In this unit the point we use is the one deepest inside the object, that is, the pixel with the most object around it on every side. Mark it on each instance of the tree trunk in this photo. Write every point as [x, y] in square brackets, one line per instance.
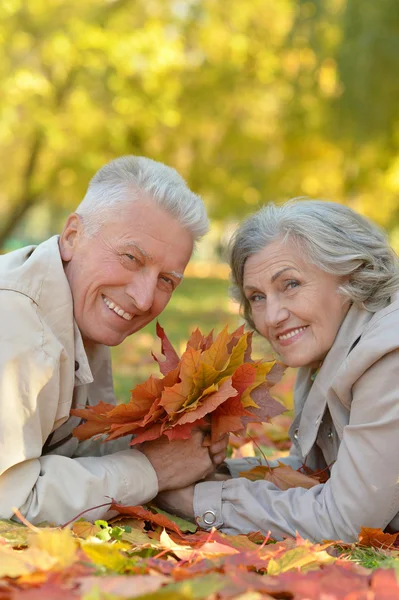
[27, 197]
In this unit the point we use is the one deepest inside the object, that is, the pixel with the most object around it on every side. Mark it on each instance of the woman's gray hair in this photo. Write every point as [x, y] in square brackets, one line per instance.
[126, 179]
[334, 237]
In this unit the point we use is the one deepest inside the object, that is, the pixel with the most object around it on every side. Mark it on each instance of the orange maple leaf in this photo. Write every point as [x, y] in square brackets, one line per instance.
[214, 379]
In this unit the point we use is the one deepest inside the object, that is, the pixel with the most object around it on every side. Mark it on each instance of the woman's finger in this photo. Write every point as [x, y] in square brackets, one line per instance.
[220, 445]
[217, 459]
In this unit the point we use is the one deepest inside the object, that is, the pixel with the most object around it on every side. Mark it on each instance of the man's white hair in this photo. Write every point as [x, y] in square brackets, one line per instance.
[127, 179]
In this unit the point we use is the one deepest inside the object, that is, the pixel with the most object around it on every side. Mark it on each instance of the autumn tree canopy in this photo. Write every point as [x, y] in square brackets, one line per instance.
[250, 101]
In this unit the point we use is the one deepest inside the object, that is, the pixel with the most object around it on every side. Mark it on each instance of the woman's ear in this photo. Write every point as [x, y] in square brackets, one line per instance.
[70, 236]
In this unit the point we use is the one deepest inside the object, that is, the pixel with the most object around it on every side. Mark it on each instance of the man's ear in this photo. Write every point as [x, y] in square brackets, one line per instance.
[69, 239]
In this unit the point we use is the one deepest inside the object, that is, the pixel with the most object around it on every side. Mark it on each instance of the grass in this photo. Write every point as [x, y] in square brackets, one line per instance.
[373, 558]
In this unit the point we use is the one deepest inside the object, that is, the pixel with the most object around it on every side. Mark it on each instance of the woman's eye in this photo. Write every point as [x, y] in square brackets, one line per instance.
[290, 285]
[130, 256]
[256, 298]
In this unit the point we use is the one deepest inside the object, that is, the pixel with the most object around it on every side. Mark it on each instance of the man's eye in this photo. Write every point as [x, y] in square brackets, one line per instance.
[131, 257]
[168, 281]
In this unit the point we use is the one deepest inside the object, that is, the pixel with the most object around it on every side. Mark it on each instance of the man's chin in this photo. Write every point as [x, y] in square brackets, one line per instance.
[106, 338]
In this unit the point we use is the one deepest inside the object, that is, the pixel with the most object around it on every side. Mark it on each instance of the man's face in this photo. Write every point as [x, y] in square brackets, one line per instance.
[124, 276]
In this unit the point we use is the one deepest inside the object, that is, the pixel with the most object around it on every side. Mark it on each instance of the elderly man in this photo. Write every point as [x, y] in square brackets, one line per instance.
[63, 303]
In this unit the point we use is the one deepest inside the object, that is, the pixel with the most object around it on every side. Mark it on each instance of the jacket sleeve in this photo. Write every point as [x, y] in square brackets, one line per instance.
[51, 488]
[96, 448]
[240, 465]
[363, 489]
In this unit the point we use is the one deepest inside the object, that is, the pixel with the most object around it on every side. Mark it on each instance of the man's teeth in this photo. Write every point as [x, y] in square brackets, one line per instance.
[291, 334]
[119, 311]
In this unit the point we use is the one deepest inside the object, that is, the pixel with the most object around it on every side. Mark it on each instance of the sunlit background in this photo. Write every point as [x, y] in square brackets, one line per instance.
[251, 101]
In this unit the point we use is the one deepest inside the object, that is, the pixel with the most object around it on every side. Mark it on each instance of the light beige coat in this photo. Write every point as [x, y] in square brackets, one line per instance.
[44, 371]
[348, 419]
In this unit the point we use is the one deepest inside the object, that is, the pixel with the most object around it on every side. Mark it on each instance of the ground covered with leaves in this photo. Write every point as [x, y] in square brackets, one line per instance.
[148, 555]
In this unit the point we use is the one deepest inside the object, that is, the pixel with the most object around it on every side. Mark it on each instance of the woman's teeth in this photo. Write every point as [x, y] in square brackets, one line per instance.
[119, 311]
[291, 334]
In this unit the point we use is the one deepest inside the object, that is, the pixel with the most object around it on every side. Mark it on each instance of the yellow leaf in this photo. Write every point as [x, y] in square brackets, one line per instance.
[189, 364]
[58, 543]
[15, 563]
[107, 555]
[203, 378]
[13, 533]
[304, 557]
[217, 356]
[237, 356]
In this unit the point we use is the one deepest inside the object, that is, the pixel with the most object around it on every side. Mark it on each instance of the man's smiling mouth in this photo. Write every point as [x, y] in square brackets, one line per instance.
[117, 309]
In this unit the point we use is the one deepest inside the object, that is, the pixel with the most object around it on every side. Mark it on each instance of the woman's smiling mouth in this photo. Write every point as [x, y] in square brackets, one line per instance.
[117, 309]
[291, 335]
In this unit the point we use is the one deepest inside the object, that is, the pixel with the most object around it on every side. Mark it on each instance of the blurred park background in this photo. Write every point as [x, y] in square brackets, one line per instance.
[250, 100]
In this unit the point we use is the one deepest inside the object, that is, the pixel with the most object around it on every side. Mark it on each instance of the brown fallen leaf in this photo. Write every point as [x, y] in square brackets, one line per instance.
[283, 476]
[376, 538]
[85, 529]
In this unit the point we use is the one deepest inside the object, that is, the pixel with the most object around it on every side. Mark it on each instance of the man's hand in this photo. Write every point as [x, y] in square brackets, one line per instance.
[178, 502]
[180, 463]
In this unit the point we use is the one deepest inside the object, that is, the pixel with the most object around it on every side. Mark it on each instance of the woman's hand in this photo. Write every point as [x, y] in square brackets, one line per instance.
[180, 463]
[218, 449]
[178, 502]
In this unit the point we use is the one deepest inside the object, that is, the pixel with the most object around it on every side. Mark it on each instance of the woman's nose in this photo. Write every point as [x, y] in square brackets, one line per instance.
[275, 314]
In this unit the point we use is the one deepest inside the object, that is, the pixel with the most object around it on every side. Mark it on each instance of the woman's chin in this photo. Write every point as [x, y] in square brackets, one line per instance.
[295, 362]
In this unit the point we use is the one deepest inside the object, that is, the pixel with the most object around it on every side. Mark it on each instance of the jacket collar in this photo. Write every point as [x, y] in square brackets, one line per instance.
[38, 272]
[312, 399]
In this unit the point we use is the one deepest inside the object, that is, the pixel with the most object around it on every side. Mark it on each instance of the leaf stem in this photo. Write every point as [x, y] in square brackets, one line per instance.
[23, 520]
[83, 512]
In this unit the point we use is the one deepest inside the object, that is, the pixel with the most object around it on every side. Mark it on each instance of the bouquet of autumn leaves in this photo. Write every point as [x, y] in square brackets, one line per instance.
[215, 382]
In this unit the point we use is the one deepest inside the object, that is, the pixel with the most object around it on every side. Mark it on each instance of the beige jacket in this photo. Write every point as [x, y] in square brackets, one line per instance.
[348, 419]
[44, 371]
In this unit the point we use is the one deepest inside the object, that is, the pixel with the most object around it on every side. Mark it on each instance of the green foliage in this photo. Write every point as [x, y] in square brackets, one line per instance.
[107, 532]
[250, 101]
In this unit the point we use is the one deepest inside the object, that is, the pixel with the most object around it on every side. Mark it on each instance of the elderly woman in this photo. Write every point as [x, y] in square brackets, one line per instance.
[320, 283]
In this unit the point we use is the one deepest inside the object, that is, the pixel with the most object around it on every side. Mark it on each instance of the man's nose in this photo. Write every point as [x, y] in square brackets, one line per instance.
[142, 291]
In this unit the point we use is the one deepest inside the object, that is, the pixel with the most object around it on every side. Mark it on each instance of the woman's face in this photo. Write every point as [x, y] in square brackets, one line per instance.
[295, 305]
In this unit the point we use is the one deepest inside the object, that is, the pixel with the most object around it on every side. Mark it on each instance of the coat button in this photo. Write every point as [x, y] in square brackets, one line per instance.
[330, 434]
[209, 517]
[296, 433]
